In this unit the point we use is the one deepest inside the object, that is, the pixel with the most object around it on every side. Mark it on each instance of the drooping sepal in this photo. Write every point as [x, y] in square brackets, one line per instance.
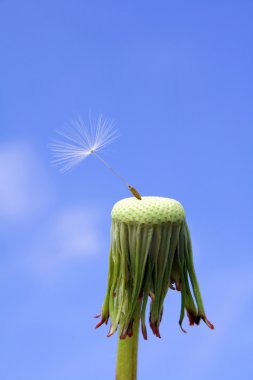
[146, 260]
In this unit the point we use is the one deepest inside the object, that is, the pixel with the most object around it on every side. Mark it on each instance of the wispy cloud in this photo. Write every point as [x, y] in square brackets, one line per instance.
[50, 243]
[23, 186]
[71, 234]
[75, 231]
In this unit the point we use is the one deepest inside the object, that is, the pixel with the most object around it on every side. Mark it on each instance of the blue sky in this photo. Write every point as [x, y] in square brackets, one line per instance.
[177, 79]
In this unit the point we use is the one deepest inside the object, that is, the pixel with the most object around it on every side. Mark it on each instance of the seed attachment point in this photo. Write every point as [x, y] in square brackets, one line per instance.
[135, 193]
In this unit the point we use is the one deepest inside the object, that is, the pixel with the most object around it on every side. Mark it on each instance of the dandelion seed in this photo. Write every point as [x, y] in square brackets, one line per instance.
[80, 141]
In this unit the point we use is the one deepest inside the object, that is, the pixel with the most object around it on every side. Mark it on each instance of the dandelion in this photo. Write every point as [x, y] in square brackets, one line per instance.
[79, 142]
[150, 253]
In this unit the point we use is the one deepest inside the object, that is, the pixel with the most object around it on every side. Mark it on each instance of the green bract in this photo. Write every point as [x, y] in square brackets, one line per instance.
[150, 252]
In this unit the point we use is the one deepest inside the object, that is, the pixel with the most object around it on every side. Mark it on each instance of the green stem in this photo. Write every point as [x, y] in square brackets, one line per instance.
[128, 350]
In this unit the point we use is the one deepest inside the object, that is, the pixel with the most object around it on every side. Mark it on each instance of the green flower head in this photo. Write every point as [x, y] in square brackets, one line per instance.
[150, 253]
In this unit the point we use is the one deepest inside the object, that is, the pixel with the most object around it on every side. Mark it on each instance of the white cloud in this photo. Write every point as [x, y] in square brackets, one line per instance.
[70, 235]
[75, 232]
[23, 186]
[65, 235]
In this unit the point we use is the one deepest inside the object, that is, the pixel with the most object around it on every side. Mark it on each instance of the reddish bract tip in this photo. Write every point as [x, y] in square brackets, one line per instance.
[111, 331]
[130, 330]
[123, 335]
[155, 329]
[100, 323]
[103, 320]
[208, 323]
[144, 332]
[124, 332]
[193, 318]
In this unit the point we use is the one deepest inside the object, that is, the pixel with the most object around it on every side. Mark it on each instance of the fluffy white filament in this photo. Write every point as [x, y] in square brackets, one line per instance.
[79, 141]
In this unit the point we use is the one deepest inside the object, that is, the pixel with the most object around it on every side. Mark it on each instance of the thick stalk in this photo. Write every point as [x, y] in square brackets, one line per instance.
[128, 351]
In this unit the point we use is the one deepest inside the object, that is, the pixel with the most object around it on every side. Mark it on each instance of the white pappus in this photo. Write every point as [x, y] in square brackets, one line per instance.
[79, 142]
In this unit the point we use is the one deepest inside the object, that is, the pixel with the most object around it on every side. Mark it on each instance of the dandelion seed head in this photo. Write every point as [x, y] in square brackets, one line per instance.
[79, 141]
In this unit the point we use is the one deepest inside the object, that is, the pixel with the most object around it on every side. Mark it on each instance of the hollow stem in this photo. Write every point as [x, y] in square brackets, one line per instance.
[128, 351]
